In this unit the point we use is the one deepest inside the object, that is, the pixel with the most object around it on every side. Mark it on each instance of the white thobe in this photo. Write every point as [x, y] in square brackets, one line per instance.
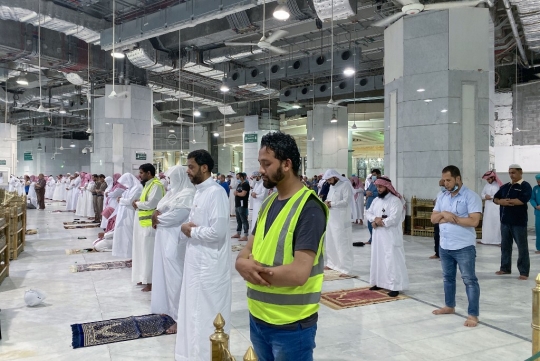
[388, 269]
[123, 228]
[256, 202]
[165, 183]
[69, 195]
[89, 201]
[339, 249]
[144, 239]
[359, 203]
[80, 210]
[12, 184]
[168, 269]
[111, 201]
[104, 244]
[232, 186]
[206, 285]
[49, 188]
[75, 193]
[491, 221]
[32, 195]
[57, 195]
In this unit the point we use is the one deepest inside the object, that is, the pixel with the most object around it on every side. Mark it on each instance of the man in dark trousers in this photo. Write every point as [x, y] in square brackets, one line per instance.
[40, 191]
[241, 197]
[513, 198]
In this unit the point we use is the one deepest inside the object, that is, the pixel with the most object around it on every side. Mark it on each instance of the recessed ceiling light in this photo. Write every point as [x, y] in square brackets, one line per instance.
[444, 110]
[228, 124]
[296, 106]
[196, 113]
[454, 122]
[349, 71]
[216, 134]
[428, 100]
[118, 55]
[171, 130]
[421, 90]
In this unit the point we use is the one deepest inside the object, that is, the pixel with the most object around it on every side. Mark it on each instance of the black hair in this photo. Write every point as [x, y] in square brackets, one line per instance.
[202, 157]
[376, 171]
[94, 175]
[284, 147]
[102, 176]
[147, 167]
[454, 171]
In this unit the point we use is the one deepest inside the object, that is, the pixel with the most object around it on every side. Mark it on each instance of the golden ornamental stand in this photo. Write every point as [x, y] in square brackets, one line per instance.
[219, 344]
[536, 317]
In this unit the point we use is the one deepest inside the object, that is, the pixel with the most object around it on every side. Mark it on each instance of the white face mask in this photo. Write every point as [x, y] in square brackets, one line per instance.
[374, 178]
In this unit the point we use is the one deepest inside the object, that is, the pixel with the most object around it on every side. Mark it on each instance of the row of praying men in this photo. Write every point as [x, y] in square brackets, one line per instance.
[175, 229]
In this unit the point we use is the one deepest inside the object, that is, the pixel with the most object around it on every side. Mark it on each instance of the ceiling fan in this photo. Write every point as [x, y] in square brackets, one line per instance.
[266, 42]
[412, 7]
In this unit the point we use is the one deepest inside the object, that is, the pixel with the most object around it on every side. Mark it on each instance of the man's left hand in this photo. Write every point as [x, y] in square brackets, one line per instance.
[134, 204]
[186, 228]
[328, 204]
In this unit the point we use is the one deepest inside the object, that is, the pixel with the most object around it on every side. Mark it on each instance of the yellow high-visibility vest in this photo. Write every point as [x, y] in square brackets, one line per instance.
[145, 216]
[284, 305]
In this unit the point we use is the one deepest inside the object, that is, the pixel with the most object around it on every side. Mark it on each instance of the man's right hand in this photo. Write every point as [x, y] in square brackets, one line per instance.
[250, 271]
[538, 207]
[369, 193]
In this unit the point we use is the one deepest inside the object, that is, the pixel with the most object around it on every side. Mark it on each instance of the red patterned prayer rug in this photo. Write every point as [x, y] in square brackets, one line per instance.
[356, 297]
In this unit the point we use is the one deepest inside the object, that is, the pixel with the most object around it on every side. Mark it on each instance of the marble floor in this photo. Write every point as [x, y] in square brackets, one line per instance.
[401, 330]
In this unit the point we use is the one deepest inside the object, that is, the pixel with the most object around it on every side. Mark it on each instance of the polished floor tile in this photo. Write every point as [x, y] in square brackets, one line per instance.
[398, 331]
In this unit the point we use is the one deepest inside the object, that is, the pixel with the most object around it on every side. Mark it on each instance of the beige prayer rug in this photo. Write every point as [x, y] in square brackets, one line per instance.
[338, 300]
[332, 275]
[79, 251]
[99, 266]
[237, 247]
[77, 222]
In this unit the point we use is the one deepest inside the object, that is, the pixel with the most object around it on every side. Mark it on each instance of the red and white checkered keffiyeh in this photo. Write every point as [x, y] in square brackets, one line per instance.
[492, 174]
[386, 182]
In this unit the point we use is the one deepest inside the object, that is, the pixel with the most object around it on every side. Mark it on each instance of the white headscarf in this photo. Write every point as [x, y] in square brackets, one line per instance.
[330, 173]
[109, 182]
[181, 190]
[131, 183]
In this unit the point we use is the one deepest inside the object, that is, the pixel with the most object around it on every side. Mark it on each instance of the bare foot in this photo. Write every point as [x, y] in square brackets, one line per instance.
[433, 257]
[327, 268]
[471, 321]
[537, 252]
[139, 283]
[236, 236]
[523, 278]
[343, 275]
[444, 311]
[147, 288]
[502, 273]
[243, 239]
[172, 330]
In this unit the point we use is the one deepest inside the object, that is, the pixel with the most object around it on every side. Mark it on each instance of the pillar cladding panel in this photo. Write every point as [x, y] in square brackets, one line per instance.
[330, 148]
[428, 23]
[393, 52]
[425, 55]
[435, 85]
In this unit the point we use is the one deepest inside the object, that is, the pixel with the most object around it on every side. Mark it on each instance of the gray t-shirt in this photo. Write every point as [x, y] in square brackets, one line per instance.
[310, 227]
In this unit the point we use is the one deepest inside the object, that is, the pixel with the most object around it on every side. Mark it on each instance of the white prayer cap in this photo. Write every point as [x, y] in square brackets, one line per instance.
[34, 297]
[514, 166]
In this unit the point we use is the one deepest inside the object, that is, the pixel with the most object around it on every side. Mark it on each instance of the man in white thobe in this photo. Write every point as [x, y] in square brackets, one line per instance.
[232, 186]
[491, 221]
[144, 235]
[12, 184]
[388, 269]
[169, 252]
[125, 216]
[258, 195]
[73, 193]
[339, 251]
[206, 286]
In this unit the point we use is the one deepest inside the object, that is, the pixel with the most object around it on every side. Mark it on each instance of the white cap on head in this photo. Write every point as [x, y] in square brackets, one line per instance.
[514, 166]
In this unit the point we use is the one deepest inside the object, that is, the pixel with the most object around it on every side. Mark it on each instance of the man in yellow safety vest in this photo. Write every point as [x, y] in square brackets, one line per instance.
[283, 260]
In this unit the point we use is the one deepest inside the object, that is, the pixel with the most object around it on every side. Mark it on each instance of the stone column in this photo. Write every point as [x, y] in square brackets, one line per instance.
[330, 145]
[123, 134]
[254, 130]
[8, 152]
[225, 159]
[439, 86]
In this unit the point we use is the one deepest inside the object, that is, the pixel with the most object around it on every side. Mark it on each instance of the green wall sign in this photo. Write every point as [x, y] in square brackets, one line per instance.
[140, 156]
[250, 138]
[3, 162]
[28, 156]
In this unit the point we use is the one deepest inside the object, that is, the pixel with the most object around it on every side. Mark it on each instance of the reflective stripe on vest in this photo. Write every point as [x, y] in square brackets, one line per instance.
[145, 216]
[283, 305]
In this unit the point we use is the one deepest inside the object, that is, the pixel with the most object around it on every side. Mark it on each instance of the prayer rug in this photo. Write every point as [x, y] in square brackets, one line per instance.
[356, 297]
[31, 231]
[331, 275]
[99, 266]
[77, 222]
[79, 251]
[60, 211]
[119, 329]
[77, 226]
[237, 247]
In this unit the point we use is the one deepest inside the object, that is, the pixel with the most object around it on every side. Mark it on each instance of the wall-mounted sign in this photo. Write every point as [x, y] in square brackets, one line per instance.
[3, 162]
[250, 138]
[28, 156]
[140, 156]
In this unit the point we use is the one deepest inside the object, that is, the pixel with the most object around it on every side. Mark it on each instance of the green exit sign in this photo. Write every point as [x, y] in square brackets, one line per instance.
[140, 156]
[250, 138]
[28, 156]
[3, 162]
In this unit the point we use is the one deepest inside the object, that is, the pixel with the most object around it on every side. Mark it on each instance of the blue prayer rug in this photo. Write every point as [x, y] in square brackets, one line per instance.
[119, 329]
